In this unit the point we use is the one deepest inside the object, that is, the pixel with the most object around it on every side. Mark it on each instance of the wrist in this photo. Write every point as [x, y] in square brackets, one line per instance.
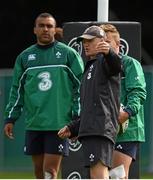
[9, 120]
[129, 111]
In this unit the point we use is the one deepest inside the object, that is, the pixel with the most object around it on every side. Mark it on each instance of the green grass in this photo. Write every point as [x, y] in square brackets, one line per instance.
[147, 176]
[17, 175]
[30, 175]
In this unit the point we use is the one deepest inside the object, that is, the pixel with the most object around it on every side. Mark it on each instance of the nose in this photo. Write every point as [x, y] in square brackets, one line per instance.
[86, 44]
[45, 28]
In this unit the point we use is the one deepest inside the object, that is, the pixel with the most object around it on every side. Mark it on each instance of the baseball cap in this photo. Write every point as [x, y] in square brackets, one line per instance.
[91, 33]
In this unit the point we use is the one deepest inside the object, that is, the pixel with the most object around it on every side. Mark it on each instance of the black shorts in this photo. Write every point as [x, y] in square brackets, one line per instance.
[97, 148]
[40, 142]
[128, 148]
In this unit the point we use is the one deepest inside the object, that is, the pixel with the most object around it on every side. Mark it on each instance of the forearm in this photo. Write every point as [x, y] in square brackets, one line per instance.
[114, 62]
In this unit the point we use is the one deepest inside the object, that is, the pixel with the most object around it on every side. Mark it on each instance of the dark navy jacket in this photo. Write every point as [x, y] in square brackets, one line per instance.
[100, 98]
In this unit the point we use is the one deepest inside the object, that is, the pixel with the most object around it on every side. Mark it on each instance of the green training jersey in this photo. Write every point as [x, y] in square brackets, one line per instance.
[46, 84]
[133, 96]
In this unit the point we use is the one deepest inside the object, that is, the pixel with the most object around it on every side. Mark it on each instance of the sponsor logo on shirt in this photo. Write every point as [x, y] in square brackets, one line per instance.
[31, 57]
[46, 83]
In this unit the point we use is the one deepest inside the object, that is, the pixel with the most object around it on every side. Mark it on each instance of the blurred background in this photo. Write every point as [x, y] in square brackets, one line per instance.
[17, 17]
[16, 29]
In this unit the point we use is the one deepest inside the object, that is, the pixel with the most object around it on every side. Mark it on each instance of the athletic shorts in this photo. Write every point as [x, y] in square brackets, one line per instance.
[128, 148]
[96, 148]
[40, 142]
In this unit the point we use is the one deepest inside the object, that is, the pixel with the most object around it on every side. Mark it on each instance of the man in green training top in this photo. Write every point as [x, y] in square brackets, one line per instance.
[46, 81]
[133, 97]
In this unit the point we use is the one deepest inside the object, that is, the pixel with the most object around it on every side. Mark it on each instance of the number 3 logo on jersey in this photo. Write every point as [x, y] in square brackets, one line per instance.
[46, 82]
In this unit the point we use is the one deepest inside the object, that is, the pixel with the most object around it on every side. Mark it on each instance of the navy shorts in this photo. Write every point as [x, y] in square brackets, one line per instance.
[40, 142]
[96, 148]
[128, 148]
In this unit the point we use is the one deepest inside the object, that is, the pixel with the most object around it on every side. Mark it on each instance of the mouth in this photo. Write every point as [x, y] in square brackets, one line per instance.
[45, 35]
[86, 49]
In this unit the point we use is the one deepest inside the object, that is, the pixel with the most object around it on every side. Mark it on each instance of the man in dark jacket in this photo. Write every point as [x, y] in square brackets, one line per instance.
[100, 103]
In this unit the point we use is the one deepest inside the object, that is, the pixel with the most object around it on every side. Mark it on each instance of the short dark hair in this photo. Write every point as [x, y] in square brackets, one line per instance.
[44, 15]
